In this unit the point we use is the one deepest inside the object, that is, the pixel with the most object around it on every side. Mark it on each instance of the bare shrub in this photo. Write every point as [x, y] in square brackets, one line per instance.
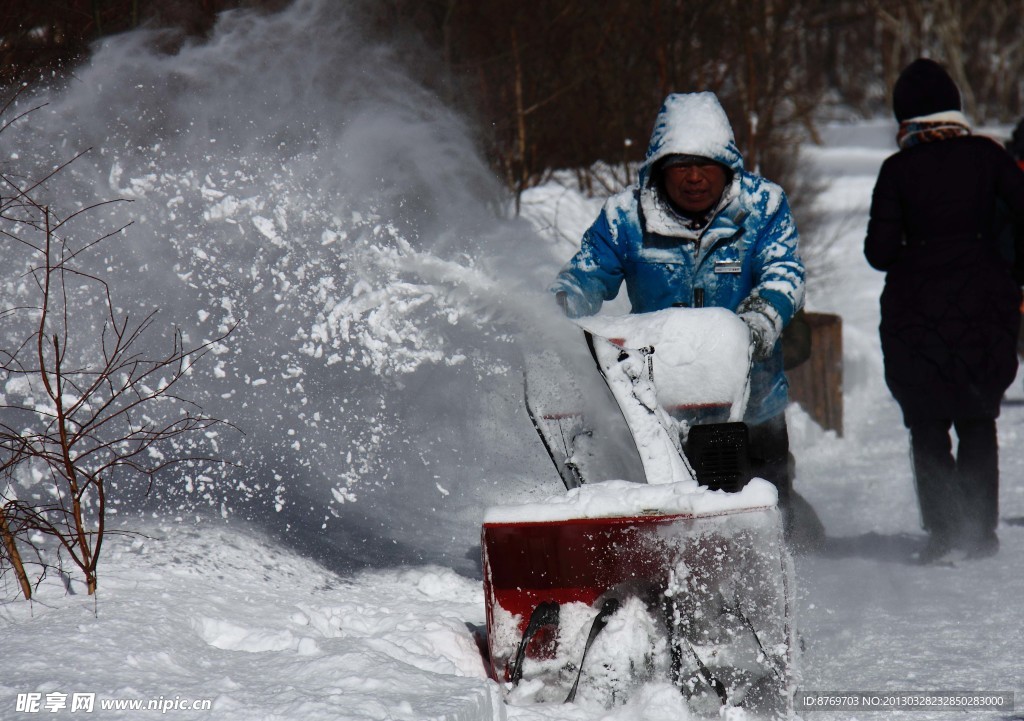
[81, 402]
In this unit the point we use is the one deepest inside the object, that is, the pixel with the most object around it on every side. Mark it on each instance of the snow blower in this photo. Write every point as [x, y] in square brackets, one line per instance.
[685, 578]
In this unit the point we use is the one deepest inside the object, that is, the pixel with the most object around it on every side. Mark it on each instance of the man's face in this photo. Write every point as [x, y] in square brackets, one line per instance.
[695, 187]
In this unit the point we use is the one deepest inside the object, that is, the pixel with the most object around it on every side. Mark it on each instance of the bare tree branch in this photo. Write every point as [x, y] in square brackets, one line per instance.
[99, 406]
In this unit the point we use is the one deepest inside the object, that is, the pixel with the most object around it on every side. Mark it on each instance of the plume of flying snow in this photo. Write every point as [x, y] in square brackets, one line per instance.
[291, 181]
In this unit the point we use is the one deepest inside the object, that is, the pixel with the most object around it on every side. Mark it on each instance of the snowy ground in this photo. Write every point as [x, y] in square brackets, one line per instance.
[220, 616]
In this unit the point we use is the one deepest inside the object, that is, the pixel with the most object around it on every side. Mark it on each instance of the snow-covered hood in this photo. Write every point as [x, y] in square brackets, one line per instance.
[692, 124]
[687, 124]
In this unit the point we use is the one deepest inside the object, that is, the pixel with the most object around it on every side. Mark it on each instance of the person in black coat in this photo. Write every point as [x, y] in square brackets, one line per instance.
[951, 306]
[1016, 144]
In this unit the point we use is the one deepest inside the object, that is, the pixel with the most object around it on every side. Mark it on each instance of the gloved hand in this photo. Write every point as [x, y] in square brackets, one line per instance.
[764, 323]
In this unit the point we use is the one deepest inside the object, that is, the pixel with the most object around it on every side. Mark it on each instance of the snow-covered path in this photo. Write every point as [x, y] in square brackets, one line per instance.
[221, 614]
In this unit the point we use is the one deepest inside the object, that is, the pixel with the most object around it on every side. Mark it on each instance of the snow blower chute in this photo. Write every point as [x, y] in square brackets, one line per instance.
[684, 578]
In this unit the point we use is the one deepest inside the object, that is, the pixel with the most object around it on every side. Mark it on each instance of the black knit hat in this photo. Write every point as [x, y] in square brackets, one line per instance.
[923, 88]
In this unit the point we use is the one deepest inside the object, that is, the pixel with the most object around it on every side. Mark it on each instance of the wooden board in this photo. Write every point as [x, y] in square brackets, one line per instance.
[817, 384]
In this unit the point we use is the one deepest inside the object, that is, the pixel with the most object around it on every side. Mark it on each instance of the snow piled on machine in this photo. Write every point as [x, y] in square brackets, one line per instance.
[608, 499]
[701, 356]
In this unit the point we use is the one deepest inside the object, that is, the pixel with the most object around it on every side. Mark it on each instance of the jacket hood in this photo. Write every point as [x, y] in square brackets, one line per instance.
[692, 124]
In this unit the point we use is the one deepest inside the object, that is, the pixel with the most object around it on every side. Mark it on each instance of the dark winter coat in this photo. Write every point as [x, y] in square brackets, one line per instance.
[950, 307]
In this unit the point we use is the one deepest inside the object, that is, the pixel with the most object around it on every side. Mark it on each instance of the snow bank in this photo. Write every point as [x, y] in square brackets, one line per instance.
[225, 618]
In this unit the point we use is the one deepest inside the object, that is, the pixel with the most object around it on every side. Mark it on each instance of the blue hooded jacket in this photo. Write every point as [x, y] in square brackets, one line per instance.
[747, 250]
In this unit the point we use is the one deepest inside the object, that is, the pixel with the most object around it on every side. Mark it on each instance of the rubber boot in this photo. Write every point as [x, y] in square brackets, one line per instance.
[938, 494]
[977, 470]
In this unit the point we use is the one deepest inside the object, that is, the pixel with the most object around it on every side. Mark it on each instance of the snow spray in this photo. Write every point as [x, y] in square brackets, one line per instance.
[289, 179]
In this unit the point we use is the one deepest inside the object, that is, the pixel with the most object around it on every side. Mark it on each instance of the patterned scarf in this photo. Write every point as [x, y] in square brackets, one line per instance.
[929, 128]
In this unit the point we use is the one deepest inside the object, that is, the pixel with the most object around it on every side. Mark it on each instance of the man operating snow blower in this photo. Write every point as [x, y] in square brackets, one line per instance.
[698, 230]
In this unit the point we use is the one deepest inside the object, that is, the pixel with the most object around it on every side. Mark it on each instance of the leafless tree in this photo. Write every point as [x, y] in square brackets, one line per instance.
[82, 403]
